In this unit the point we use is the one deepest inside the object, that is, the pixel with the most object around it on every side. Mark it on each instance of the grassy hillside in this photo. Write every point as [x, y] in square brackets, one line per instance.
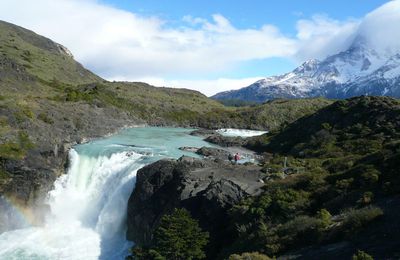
[341, 184]
[40, 57]
[39, 78]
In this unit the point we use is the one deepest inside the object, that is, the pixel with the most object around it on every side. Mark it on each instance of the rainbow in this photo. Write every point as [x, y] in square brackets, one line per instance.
[21, 216]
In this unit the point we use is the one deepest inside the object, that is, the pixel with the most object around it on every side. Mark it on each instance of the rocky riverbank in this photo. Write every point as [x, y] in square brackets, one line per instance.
[30, 178]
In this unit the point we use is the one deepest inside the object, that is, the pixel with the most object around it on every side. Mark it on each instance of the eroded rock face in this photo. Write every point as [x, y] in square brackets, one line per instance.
[32, 177]
[226, 141]
[207, 188]
[24, 192]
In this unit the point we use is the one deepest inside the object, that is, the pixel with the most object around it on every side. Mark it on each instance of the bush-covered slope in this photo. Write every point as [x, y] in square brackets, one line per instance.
[363, 124]
[340, 184]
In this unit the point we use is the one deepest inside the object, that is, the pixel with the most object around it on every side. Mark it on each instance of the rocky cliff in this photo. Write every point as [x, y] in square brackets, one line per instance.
[207, 188]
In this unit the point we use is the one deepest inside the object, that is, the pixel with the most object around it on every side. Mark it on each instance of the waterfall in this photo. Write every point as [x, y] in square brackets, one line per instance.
[88, 205]
[88, 211]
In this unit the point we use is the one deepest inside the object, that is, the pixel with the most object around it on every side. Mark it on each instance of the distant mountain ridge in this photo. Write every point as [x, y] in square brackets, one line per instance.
[360, 70]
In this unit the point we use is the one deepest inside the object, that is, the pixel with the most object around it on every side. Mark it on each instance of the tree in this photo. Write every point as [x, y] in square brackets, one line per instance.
[179, 236]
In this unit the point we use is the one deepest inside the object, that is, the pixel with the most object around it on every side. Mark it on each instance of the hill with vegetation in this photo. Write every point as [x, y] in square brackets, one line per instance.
[49, 102]
[332, 182]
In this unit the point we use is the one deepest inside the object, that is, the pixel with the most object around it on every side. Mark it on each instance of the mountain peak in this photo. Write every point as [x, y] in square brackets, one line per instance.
[359, 70]
[308, 67]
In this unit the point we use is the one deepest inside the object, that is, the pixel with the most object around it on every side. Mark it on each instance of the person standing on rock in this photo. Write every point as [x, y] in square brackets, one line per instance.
[237, 158]
[230, 158]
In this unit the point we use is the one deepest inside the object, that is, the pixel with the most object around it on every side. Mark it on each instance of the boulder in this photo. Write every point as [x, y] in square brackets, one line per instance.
[189, 149]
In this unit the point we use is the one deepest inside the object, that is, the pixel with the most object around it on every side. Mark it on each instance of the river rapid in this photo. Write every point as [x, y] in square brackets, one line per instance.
[88, 204]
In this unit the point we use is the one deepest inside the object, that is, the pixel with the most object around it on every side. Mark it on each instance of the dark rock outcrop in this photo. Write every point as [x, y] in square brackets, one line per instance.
[207, 188]
[226, 141]
[189, 149]
[215, 153]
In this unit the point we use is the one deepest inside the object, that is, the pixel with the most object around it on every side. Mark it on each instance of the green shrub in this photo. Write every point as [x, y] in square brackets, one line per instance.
[325, 217]
[370, 177]
[45, 118]
[139, 253]
[249, 256]
[16, 150]
[367, 197]
[23, 113]
[11, 150]
[4, 175]
[355, 219]
[302, 230]
[344, 184]
[24, 142]
[361, 255]
[339, 164]
[3, 121]
[27, 112]
[75, 95]
[287, 202]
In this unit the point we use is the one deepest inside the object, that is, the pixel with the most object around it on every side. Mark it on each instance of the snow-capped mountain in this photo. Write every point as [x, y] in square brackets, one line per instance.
[360, 70]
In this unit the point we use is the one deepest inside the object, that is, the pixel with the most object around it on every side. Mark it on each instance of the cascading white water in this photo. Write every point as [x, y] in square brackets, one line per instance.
[88, 211]
[87, 218]
[94, 195]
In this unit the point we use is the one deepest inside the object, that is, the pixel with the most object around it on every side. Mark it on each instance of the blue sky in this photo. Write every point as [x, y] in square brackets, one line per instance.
[208, 45]
[250, 13]
[243, 14]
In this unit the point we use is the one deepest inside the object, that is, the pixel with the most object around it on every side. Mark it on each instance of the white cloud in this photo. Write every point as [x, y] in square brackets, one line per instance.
[322, 36]
[111, 41]
[381, 27]
[119, 44]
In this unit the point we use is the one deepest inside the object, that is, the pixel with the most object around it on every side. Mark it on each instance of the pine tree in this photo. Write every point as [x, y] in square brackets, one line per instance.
[180, 237]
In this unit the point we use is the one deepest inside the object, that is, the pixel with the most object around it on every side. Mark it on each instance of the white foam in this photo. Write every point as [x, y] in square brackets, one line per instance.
[88, 211]
[240, 132]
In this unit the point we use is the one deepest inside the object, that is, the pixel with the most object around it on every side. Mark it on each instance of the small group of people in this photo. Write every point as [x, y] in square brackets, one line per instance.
[235, 157]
